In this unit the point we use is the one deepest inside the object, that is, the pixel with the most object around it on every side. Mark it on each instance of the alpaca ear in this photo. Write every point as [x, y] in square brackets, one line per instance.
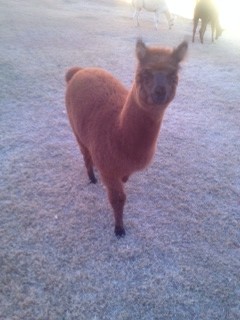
[141, 50]
[180, 52]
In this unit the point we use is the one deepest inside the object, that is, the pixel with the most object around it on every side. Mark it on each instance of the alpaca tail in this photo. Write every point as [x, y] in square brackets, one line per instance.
[71, 72]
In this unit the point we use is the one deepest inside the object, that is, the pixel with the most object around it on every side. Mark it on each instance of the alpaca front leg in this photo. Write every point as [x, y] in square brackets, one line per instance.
[135, 16]
[156, 19]
[117, 199]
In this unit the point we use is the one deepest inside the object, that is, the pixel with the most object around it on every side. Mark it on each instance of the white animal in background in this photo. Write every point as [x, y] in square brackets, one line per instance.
[156, 6]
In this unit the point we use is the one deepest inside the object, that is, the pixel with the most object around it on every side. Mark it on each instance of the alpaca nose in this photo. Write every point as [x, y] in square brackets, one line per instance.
[159, 94]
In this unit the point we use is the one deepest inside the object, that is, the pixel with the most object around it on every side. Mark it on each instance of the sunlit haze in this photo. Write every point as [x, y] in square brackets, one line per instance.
[228, 12]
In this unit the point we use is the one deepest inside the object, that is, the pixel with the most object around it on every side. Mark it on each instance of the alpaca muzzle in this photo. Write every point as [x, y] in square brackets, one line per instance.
[159, 92]
[159, 95]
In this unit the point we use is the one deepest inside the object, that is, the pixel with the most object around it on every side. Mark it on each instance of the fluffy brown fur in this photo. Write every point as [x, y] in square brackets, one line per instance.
[206, 11]
[117, 129]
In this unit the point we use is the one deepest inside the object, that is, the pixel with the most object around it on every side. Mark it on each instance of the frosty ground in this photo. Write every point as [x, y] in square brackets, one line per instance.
[59, 257]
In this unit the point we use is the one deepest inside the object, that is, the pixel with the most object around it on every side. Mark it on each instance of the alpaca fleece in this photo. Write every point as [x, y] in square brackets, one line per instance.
[117, 129]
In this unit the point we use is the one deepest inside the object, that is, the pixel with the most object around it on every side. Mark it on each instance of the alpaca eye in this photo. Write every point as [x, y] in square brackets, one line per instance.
[172, 76]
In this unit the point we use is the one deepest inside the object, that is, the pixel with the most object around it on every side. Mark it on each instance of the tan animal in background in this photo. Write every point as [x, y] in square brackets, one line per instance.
[206, 11]
[117, 129]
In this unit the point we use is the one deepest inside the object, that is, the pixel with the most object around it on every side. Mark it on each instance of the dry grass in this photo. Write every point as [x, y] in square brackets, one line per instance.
[59, 257]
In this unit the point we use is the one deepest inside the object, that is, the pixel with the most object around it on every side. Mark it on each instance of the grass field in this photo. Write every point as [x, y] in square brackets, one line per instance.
[59, 258]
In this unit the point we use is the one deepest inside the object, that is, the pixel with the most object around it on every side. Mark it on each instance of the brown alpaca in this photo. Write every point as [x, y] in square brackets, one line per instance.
[207, 12]
[117, 129]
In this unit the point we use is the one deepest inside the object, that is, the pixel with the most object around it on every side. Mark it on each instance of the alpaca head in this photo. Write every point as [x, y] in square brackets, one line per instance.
[157, 74]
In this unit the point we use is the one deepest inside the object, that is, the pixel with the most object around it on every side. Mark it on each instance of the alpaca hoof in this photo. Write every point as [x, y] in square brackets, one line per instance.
[93, 180]
[119, 232]
[92, 177]
[125, 179]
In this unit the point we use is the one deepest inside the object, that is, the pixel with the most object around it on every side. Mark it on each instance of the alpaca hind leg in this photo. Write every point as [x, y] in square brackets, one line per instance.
[195, 24]
[202, 31]
[213, 30]
[117, 200]
[88, 162]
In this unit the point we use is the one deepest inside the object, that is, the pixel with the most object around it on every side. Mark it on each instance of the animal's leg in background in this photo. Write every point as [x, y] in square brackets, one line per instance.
[218, 29]
[117, 199]
[202, 31]
[88, 162]
[213, 27]
[195, 24]
[156, 19]
[169, 18]
[136, 15]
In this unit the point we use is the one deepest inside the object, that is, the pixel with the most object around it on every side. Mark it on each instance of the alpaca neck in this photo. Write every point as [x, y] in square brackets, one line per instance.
[139, 129]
